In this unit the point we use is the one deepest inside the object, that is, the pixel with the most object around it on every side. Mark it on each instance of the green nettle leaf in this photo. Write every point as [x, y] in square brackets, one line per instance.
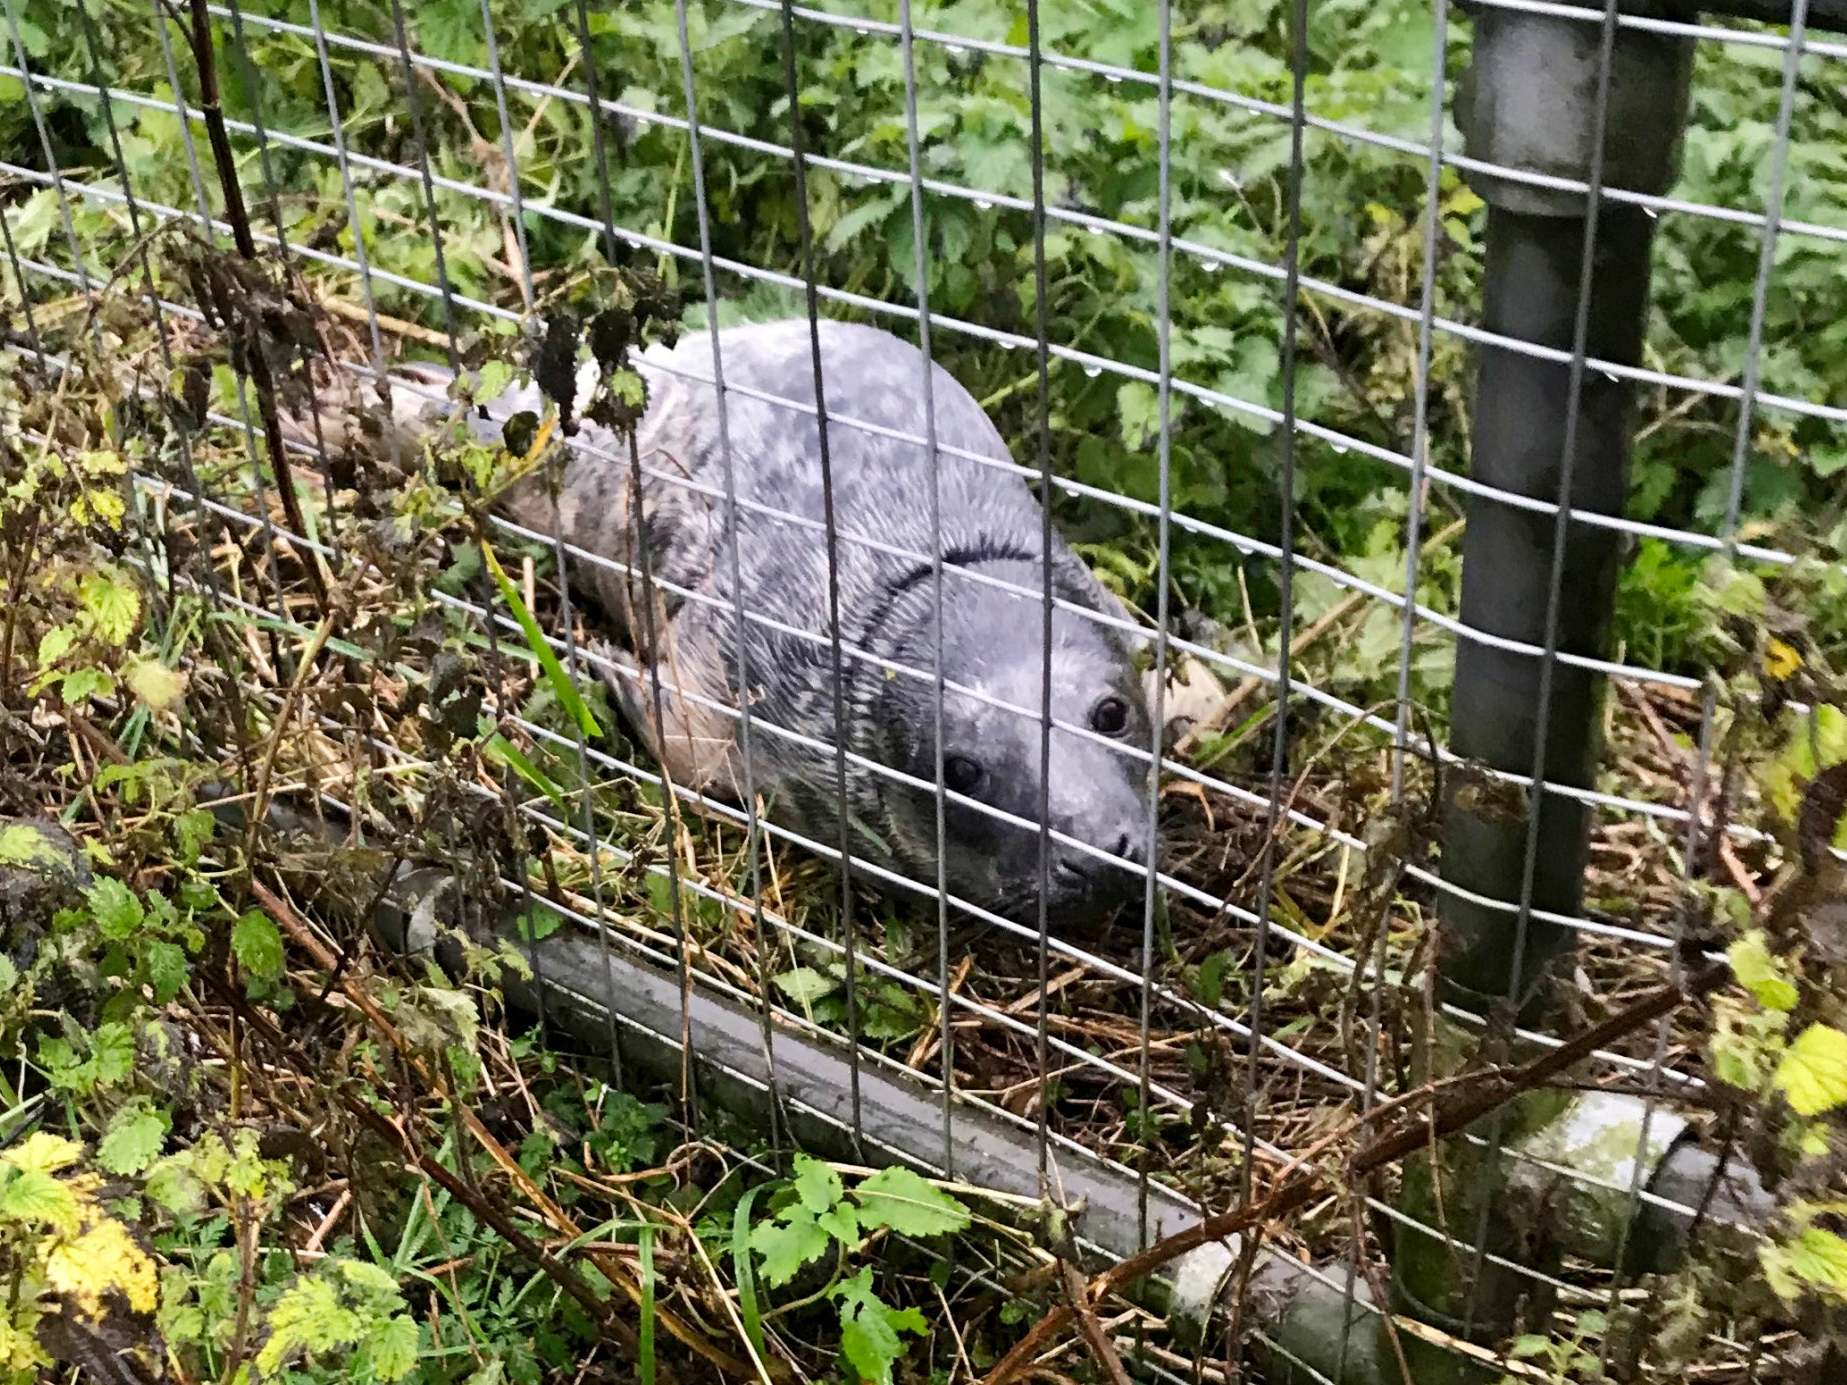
[869, 1328]
[112, 1052]
[85, 683]
[166, 969]
[54, 645]
[114, 907]
[173, 1185]
[491, 381]
[804, 985]
[900, 1199]
[392, 1346]
[816, 1184]
[135, 1136]
[1760, 973]
[1138, 408]
[308, 1317]
[37, 1198]
[1816, 1259]
[788, 1243]
[258, 945]
[1813, 1073]
[113, 606]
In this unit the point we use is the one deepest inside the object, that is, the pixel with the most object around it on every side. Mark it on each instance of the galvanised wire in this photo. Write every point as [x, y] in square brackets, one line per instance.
[1298, 816]
[1341, 442]
[1747, 394]
[1741, 438]
[1614, 802]
[1164, 136]
[753, 832]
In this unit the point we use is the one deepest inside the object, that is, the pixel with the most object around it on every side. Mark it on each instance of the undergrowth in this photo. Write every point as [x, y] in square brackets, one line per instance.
[243, 1143]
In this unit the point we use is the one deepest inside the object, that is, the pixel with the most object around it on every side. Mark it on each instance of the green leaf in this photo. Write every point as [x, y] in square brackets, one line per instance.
[1760, 973]
[37, 1198]
[1813, 1073]
[258, 945]
[816, 1184]
[114, 907]
[1210, 987]
[85, 683]
[54, 645]
[1815, 1258]
[136, 1133]
[392, 1347]
[491, 381]
[369, 1279]
[166, 969]
[173, 1185]
[562, 687]
[498, 747]
[804, 985]
[112, 1052]
[869, 1328]
[114, 607]
[787, 1244]
[898, 1198]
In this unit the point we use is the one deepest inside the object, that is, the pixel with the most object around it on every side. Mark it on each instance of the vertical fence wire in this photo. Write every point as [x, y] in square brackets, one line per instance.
[1702, 766]
[1164, 122]
[1042, 442]
[824, 457]
[337, 130]
[1163, 514]
[753, 827]
[913, 151]
[1274, 822]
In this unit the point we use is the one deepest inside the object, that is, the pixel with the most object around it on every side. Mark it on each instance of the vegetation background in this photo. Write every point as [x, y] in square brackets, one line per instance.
[264, 1269]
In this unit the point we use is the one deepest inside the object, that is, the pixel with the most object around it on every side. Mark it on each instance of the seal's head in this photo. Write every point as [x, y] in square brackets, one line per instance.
[992, 752]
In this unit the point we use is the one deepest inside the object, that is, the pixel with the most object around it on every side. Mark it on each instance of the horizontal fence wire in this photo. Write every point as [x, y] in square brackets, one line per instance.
[674, 950]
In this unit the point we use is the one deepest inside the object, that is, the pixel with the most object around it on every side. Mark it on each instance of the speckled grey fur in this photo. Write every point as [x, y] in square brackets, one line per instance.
[991, 523]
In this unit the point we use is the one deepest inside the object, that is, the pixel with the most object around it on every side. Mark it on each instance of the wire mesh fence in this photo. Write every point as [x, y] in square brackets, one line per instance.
[1296, 684]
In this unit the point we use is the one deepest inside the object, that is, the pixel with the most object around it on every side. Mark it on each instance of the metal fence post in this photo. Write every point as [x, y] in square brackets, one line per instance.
[1535, 100]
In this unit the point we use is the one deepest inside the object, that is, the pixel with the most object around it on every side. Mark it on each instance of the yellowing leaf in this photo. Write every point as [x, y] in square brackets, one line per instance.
[43, 1151]
[103, 1259]
[1813, 1073]
[1815, 1258]
[55, 644]
[1761, 973]
[1780, 660]
[113, 606]
[155, 684]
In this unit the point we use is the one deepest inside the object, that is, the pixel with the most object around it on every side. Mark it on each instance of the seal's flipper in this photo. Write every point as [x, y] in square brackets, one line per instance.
[696, 743]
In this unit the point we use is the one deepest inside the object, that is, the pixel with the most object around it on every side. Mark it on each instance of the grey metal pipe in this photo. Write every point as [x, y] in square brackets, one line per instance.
[1527, 102]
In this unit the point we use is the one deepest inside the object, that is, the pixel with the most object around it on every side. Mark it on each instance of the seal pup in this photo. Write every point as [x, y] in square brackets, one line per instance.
[991, 526]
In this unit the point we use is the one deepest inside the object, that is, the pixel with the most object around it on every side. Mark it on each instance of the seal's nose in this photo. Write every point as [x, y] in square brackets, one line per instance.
[1083, 873]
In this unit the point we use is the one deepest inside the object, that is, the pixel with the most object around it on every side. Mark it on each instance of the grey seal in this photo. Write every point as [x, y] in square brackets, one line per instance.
[991, 526]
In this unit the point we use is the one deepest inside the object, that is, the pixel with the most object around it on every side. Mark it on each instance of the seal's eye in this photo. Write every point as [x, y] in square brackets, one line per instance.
[1110, 716]
[962, 774]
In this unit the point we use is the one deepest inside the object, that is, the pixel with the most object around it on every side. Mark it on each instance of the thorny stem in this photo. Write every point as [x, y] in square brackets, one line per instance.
[1302, 1181]
[256, 363]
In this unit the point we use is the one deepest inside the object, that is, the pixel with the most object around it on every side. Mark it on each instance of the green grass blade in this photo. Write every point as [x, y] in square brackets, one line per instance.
[562, 686]
[746, 1272]
[646, 1245]
[499, 747]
